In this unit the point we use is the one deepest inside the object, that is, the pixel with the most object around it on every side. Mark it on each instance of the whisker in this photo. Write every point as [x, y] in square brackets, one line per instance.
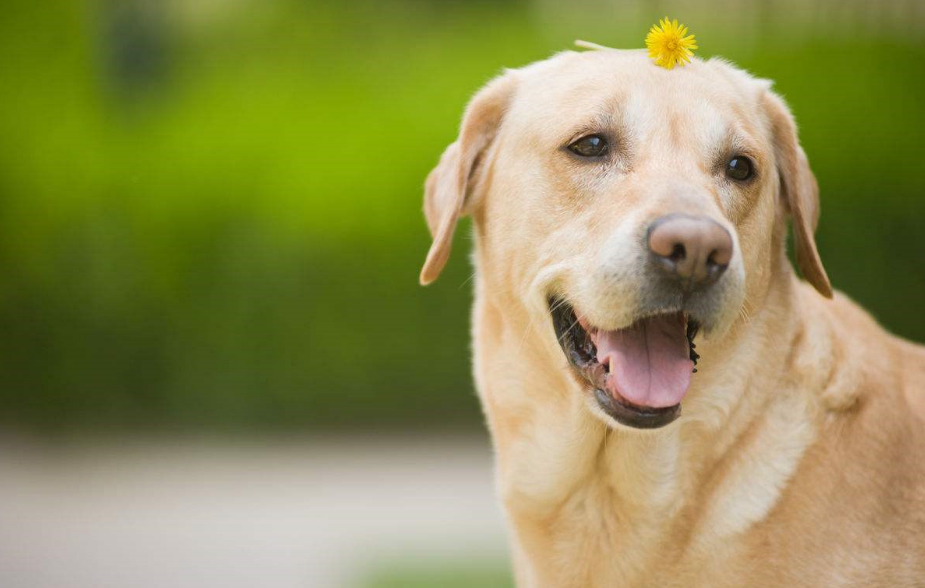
[467, 280]
[566, 331]
[743, 312]
[559, 304]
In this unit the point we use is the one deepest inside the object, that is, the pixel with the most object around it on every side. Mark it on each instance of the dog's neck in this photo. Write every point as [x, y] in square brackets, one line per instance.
[565, 474]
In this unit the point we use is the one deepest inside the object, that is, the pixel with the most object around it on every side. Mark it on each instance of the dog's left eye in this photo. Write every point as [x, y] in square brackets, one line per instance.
[739, 168]
[589, 146]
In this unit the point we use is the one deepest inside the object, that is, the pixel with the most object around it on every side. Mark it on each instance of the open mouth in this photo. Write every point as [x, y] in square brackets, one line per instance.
[639, 374]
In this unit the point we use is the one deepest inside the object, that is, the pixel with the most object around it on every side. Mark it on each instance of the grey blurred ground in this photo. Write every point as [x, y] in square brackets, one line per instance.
[251, 514]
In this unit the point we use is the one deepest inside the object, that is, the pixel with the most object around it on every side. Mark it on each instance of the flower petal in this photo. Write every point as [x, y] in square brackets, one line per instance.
[669, 44]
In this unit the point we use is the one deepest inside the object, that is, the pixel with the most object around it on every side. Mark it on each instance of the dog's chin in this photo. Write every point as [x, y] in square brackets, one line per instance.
[635, 376]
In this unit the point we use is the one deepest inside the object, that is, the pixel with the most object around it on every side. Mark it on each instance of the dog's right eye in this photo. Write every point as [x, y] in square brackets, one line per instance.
[589, 146]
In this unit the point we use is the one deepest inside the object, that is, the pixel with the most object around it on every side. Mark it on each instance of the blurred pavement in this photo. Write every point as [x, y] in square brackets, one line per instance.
[269, 514]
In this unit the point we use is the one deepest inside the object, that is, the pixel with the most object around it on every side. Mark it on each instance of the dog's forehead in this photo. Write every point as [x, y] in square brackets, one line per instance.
[576, 88]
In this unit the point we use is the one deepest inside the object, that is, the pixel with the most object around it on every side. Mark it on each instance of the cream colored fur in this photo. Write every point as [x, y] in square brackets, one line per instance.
[799, 458]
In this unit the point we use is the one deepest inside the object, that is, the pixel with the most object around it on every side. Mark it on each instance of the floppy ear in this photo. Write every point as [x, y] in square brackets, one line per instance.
[448, 190]
[800, 191]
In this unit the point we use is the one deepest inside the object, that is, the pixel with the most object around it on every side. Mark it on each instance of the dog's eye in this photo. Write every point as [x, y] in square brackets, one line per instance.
[739, 168]
[589, 146]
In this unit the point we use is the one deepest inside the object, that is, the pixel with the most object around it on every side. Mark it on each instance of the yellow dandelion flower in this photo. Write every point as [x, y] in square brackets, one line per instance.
[669, 43]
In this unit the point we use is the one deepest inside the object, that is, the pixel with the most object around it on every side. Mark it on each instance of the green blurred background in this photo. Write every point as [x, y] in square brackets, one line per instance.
[210, 210]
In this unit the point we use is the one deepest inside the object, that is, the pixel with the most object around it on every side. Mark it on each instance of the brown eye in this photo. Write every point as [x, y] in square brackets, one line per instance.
[589, 146]
[739, 168]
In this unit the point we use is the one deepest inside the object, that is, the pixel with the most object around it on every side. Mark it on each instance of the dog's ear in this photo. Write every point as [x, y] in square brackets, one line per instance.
[448, 192]
[799, 189]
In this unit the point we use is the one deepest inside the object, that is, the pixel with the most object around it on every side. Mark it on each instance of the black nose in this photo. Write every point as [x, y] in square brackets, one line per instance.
[695, 250]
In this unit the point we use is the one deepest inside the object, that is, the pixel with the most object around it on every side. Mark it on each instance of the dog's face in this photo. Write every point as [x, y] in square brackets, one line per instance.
[635, 205]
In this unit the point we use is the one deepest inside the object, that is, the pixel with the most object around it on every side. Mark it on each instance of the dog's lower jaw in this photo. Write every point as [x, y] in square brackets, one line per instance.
[609, 500]
[564, 474]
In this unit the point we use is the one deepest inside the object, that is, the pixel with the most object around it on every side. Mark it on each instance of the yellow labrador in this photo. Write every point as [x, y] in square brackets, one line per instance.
[669, 404]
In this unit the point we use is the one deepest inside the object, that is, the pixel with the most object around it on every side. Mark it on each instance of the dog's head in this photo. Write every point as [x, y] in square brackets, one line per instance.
[635, 205]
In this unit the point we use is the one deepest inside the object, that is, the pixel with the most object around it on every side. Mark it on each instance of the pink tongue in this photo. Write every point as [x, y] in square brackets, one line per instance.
[649, 361]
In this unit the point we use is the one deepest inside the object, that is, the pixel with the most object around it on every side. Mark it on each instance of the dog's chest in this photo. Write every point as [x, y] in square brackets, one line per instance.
[596, 546]
[626, 522]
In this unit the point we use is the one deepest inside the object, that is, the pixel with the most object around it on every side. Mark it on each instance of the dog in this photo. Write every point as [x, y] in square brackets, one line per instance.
[669, 404]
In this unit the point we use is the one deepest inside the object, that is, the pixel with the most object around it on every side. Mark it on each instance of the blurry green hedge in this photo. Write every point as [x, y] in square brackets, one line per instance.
[210, 217]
